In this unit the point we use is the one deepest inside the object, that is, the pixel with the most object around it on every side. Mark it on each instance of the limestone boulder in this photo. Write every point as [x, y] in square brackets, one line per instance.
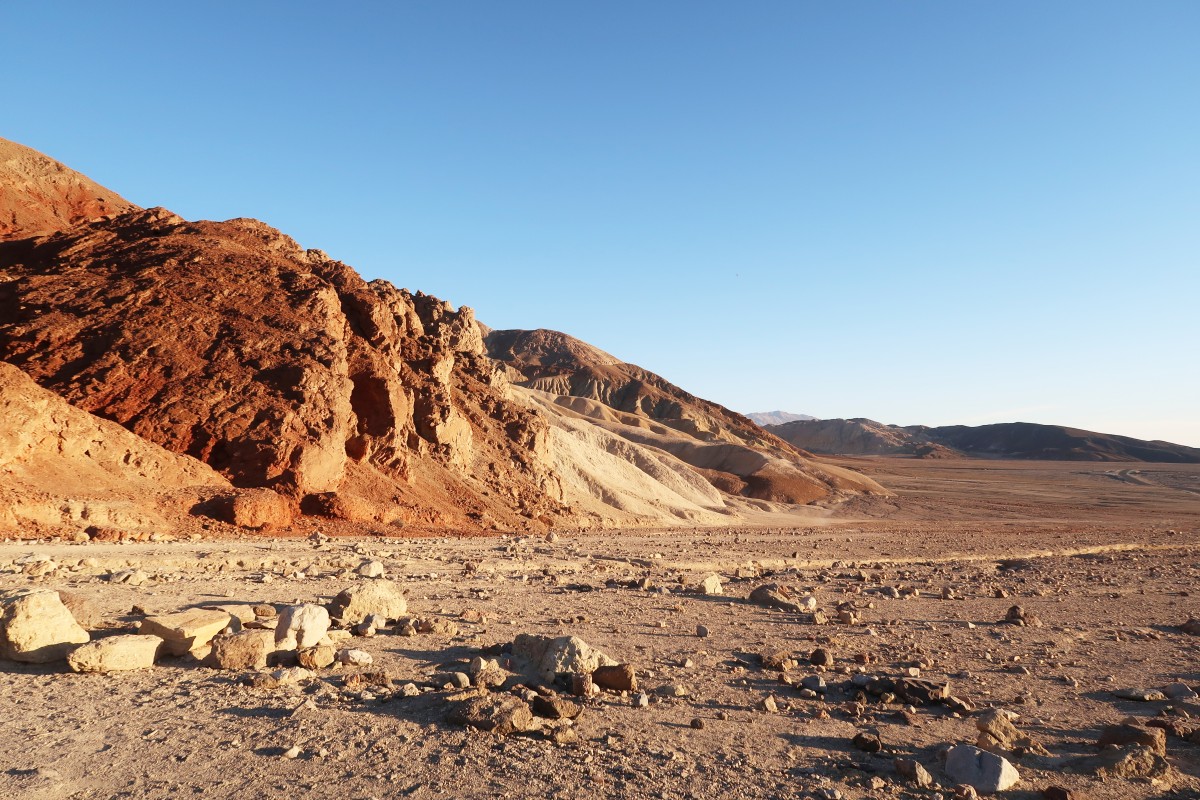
[301, 627]
[185, 631]
[374, 596]
[116, 654]
[543, 657]
[35, 627]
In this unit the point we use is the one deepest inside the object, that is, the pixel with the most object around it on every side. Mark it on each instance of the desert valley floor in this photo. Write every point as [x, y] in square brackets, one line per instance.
[730, 702]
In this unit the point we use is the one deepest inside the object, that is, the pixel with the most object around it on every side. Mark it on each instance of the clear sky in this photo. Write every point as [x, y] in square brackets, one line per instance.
[918, 212]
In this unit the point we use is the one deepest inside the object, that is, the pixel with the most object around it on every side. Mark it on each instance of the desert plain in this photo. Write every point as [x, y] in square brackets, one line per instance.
[734, 698]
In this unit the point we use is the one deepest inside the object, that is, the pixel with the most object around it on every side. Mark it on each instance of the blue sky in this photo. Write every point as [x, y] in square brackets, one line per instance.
[919, 212]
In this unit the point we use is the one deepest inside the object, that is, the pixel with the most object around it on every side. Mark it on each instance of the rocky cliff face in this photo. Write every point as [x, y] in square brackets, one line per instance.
[277, 366]
[39, 195]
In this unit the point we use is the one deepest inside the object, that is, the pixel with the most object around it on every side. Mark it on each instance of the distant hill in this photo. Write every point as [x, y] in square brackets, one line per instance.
[775, 417]
[1016, 440]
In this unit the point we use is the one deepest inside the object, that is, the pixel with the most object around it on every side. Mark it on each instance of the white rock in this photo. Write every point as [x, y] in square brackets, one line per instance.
[35, 627]
[985, 771]
[371, 569]
[355, 658]
[301, 626]
[711, 585]
[186, 631]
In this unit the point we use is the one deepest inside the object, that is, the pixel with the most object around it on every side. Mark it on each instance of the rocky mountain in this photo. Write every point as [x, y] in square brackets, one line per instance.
[285, 372]
[1018, 440]
[40, 195]
[730, 451]
[763, 418]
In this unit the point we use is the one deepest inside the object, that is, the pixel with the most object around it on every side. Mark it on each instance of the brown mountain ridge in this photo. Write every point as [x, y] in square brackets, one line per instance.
[282, 369]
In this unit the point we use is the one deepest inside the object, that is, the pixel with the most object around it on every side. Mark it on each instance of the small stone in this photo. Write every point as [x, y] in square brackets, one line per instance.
[1175, 691]
[377, 596]
[773, 595]
[317, 657]
[501, 715]
[985, 772]
[820, 658]
[1123, 734]
[641, 700]
[618, 678]
[711, 585]
[702, 631]
[867, 742]
[913, 772]
[264, 611]
[361, 658]
[556, 708]
[371, 569]
[768, 704]
[292, 752]
[697, 723]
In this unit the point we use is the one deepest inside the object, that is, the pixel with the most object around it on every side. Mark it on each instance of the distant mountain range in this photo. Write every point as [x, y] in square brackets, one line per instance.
[1016, 440]
[765, 418]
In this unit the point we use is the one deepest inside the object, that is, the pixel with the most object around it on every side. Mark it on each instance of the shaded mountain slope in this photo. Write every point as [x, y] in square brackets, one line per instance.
[1017, 440]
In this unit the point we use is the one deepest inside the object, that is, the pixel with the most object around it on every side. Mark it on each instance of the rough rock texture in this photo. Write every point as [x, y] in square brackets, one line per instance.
[243, 650]
[115, 654]
[39, 194]
[62, 466]
[543, 657]
[985, 771]
[277, 366]
[35, 627]
[301, 627]
[726, 449]
[375, 596]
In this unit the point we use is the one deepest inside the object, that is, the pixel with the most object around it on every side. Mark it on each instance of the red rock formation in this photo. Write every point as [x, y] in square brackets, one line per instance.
[279, 367]
[40, 195]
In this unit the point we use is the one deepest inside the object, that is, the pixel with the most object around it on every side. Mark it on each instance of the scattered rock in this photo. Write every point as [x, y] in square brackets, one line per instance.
[499, 714]
[1124, 734]
[556, 708]
[377, 596]
[1132, 762]
[542, 657]
[1140, 695]
[711, 585]
[985, 772]
[1192, 627]
[913, 772]
[317, 657]
[821, 658]
[371, 569]
[774, 595]
[245, 650]
[1019, 616]
[867, 742]
[617, 678]
[186, 631]
[301, 627]
[36, 627]
[115, 654]
[1058, 793]
[356, 658]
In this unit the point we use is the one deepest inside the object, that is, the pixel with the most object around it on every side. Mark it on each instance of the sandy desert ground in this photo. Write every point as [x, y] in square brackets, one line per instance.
[1104, 555]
